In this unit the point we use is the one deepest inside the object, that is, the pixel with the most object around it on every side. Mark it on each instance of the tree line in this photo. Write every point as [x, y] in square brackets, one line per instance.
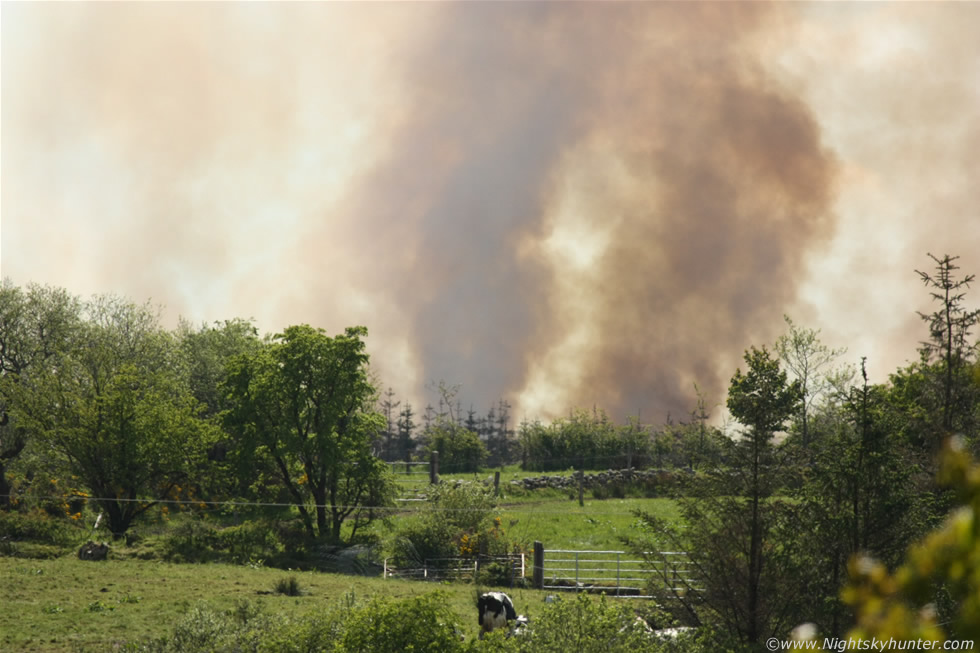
[776, 532]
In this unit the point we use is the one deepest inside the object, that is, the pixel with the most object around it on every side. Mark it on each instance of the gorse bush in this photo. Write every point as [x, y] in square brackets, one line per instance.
[40, 527]
[460, 523]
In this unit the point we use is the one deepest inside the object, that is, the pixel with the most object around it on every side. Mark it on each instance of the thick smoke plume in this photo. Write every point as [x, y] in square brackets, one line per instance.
[558, 204]
[704, 182]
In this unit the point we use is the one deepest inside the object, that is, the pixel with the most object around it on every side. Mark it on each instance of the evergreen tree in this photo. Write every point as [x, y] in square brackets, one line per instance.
[406, 431]
[950, 350]
[856, 499]
[388, 435]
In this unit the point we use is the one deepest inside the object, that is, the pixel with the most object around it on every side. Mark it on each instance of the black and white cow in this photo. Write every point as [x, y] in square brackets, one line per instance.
[496, 609]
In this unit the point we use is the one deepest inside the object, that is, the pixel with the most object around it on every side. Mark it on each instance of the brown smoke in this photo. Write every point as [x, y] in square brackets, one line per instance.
[721, 185]
[559, 204]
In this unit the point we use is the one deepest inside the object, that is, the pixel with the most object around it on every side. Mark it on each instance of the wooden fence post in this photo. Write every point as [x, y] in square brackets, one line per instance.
[496, 484]
[581, 482]
[434, 467]
[537, 575]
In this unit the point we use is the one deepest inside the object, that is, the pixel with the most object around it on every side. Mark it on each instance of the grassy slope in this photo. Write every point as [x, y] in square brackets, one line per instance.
[65, 604]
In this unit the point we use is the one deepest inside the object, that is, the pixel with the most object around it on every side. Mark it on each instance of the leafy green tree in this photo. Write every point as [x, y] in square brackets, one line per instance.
[119, 409]
[460, 450]
[36, 326]
[698, 442]
[208, 350]
[584, 439]
[808, 359]
[302, 401]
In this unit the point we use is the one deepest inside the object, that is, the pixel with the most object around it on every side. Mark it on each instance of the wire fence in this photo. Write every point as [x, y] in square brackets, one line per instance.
[509, 570]
[412, 478]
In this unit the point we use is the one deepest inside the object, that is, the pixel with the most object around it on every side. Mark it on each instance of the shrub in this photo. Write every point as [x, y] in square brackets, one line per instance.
[202, 629]
[460, 450]
[192, 541]
[456, 511]
[421, 539]
[248, 543]
[245, 628]
[423, 623]
[288, 586]
[40, 527]
[583, 625]
[199, 541]
[500, 574]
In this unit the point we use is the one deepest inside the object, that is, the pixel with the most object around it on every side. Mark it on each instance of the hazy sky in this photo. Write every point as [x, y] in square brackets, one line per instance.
[561, 204]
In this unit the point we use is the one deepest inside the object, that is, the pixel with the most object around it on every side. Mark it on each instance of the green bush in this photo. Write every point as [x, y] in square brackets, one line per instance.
[458, 523]
[288, 586]
[460, 450]
[195, 540]
[245, 628]
[499, 574]
[583, 625]
[421, 539]
[192, 541]
[202, 629]
[423, 623]
[250, 542]
[39, 527]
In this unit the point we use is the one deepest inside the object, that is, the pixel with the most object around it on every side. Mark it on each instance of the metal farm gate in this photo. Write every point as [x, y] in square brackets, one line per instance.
[617, 573]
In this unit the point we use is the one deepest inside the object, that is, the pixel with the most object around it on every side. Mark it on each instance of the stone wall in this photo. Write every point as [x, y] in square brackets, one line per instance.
[646, 477]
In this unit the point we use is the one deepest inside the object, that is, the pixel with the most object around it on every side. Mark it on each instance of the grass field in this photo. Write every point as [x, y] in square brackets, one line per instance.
[62, 604]
[65, 604]
[553, 516]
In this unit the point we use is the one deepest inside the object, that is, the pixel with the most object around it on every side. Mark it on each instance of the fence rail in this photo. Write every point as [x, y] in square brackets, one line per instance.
[614, 572]
[509, 569]
[617, 573]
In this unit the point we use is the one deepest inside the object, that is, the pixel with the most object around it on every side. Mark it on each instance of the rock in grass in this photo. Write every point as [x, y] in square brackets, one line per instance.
[92, 551]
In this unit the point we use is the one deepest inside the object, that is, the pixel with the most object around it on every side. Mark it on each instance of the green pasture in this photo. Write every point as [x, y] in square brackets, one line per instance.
[53, 602]
[560, 523]
[65, 604]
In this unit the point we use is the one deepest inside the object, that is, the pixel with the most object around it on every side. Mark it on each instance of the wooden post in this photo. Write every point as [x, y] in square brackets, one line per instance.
[581, 487]
[537, 574]
[496, 484]
[434, 467]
